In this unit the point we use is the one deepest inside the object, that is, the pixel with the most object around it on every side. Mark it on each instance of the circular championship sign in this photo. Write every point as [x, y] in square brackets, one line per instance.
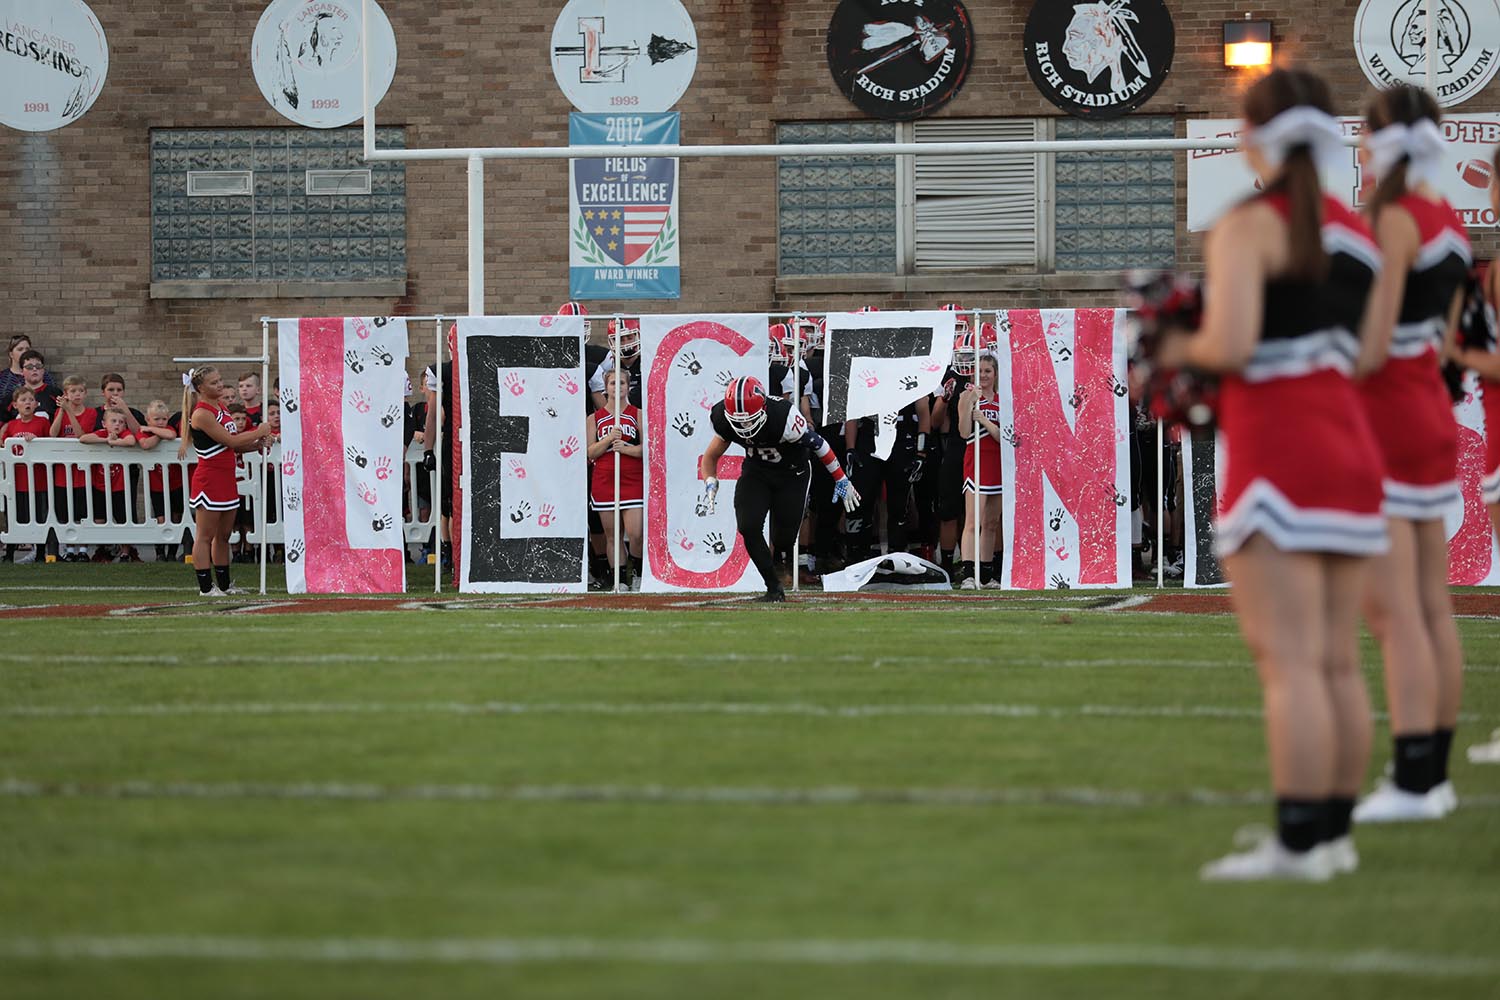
[53, 61]
[900, 59]
[1390, 40]
[1099, 60]
[309, 65]
[637, 56]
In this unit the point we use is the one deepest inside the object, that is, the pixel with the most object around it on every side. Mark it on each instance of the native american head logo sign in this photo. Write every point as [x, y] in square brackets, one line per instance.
[308, 59]
[900, 59]
[1099, 60]
[624, 57]
[53, 60]
[1391, 41]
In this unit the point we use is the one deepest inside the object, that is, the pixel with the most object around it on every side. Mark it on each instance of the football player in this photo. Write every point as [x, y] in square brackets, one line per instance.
[624, 343]
[774, 477]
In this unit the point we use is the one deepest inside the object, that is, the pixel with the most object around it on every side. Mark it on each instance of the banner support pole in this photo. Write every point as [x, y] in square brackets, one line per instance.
[437, 455]
[797, 408]
[265, 454]
[978, 440]
[614, 426]
[476, 236]
[1161, 504]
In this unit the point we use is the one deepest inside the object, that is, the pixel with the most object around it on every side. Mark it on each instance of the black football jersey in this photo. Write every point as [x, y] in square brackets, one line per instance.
[778, 443]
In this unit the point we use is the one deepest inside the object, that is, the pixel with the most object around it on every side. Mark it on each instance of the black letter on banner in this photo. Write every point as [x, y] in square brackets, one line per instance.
[892, 342]
[493, 559]
[1205, 499]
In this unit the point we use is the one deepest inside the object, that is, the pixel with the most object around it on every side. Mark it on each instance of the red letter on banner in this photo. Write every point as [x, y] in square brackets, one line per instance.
[1080, 461]
[1470, 550]
[663, 566]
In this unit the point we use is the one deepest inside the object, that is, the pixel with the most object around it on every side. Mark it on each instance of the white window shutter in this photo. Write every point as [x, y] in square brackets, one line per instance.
[975, 212]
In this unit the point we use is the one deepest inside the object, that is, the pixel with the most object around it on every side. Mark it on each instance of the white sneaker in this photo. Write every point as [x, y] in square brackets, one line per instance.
[1268, 859]
[30, 557]
[1342, 857]
[211, 592]
[968, 583]
[1389, 804]
[1486, 753]
[993, 584]
[1446, 795]
[232, 590]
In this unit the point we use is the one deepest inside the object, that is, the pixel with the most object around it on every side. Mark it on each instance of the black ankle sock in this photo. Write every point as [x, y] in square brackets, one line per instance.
[1415, 758]
[1442, 740]
[221, 577]
[205, 580]
[1299, 823]
[1338, 816]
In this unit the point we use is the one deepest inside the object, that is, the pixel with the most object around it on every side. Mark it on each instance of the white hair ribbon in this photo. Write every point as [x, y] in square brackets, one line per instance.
[1420, 144]
[1298, 127]
[187, 380]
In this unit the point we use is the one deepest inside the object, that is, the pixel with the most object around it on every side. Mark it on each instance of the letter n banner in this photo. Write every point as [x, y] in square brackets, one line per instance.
[1064, 457]
[521, 389]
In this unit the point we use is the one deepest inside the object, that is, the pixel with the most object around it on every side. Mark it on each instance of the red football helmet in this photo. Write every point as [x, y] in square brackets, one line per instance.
[965, 355]
[961, 321]
[781, 343]
[627, 343]
[989, 338]
[745, 405]
[810, 332]
[575, 309]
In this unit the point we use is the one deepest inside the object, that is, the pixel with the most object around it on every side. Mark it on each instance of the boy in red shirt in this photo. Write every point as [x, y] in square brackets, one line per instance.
[31, 481]
[109, 481]
[154, 431]
[249, 384]
[70, 483]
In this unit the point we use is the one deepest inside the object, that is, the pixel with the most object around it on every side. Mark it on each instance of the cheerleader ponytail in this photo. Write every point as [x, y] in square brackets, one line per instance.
[1290, 113]
[1403, 142]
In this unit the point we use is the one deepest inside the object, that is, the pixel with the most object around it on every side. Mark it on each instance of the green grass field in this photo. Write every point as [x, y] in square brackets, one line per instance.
[976, 798]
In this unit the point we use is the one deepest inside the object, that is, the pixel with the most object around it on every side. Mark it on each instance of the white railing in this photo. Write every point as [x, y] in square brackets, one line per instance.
[81, 521]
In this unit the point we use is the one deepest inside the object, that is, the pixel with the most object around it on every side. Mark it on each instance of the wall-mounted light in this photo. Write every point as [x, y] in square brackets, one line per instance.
[1247, 43]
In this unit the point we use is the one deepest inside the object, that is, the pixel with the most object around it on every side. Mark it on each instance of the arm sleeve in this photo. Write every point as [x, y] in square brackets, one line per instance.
[596, 380]
[797, 431]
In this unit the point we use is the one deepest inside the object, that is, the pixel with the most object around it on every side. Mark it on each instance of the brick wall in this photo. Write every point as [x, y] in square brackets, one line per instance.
[75, 205]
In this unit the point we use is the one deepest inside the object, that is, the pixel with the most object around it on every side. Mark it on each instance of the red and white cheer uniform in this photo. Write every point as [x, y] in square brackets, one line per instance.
[602, 483]
[213, 485]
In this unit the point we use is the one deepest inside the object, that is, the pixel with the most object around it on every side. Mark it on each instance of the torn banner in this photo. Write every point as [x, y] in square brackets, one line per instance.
[878, 363]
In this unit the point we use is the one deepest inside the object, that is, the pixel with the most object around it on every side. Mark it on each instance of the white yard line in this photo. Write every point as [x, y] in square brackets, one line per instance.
[688, 951]
[828, 795]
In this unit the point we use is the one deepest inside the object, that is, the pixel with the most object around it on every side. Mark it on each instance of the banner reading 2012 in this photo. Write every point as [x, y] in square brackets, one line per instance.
[622, 210]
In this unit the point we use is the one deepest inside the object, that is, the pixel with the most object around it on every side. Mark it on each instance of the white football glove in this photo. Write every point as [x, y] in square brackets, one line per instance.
[844, 490]
[710, 494]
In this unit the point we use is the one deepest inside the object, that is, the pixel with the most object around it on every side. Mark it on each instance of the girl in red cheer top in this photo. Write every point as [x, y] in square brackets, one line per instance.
[615, 437]
[1288, 275]
[212, 492]
[1413, 307]
[980, 405]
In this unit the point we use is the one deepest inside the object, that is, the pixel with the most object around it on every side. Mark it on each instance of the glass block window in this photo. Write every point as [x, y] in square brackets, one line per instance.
[837, 215]
[1115, 210]
[279, 233]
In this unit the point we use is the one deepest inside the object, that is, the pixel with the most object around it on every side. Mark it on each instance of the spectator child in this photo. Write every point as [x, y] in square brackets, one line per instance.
[13, 376]
[171, 498]
[112, 386]
[70, 483]
[35, 377]
[31, 482]
[249, 384]
[109, 480]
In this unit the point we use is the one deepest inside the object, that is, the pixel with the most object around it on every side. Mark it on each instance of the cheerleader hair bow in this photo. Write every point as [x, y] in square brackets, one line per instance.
[1297, 128]
[1420, 145]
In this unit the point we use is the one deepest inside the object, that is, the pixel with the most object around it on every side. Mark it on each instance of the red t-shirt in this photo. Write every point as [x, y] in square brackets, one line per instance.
[165, 447]
[60, 473]
[116, 482]
[41, 427]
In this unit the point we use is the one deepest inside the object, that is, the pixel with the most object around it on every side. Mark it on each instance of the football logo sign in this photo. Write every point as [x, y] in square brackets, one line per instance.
[1099, 60]
[900, 59]
[1390, 39]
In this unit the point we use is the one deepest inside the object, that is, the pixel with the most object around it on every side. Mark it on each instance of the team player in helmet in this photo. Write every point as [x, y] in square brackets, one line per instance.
[624, 343]
[774, 478]
[958, 379]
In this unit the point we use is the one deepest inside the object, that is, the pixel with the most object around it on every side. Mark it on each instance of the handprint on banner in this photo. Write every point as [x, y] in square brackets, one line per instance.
[361, 330]
[683, 425]
[289, 463]
[683, 541]
[700, 508]
[367, 494]
[704, 399]
[383, 356]
[1120, 389]
[294, 550]
[356, 456]
[293, 500]
[1061, 351]
[724, 377]
[931, 366]
[1079, 397]
[1055, 518]
[382, 322]
[890, 419]
[520, 512]
[1011, 437]
[871, 379]
[549, 406]
[1061, 551]
[908, 383]
[351, 359]
[288, 400]
[715, 543]
[389, 418]
[515, 384]
[517, 469]
[382, 523]
[544, 519]
[567, 384]
[568, 448]
[689, 363]
[383, 468]
[360, 402]
[1060, 582]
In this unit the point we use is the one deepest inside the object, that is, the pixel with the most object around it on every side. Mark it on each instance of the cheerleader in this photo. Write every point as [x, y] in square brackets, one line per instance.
[1288, 274]
[1414, 303]
[981, 405]
[1487, 364]
[213, 494]
[615, 436]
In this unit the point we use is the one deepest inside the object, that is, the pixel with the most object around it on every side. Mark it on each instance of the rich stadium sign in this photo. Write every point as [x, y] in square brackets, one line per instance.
[53, 61]
[900, 59]
[1099, 60]
[1390, 39]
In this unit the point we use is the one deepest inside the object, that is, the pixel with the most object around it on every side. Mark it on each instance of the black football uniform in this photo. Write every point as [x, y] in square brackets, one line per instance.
[951, 476]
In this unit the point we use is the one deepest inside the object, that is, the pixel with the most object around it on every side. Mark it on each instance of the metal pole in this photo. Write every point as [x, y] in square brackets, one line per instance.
[265, 454]
[437, 456]
[1161, 504]
[364, 46]
[615, 425]
[476, 236]
[978, 439]
[797, 408]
